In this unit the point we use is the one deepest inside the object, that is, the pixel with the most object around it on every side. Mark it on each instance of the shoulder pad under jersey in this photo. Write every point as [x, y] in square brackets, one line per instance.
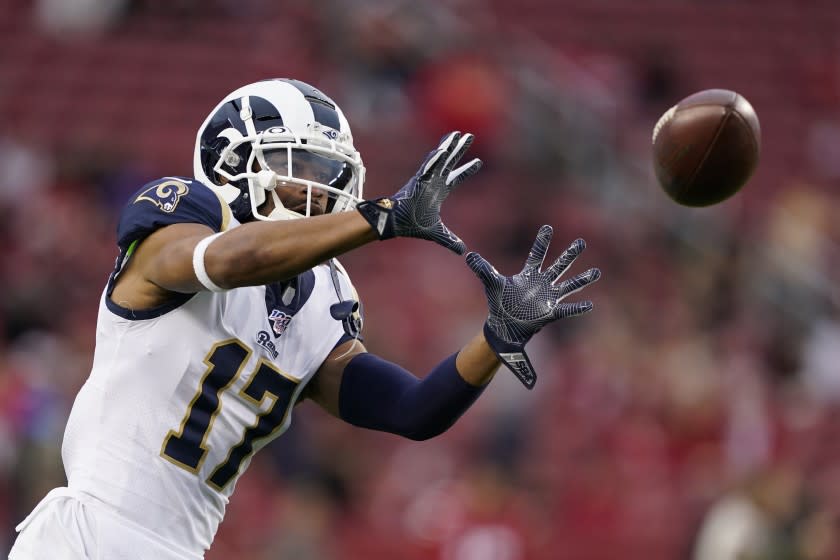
[167, 201]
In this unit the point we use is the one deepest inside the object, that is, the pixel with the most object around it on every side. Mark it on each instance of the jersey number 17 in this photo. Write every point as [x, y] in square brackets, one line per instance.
[187, 448]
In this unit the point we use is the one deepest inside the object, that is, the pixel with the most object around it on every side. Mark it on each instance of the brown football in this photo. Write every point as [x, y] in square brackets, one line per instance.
[706, 147]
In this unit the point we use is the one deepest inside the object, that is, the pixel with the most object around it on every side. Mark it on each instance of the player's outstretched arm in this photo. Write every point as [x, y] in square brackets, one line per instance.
[172, 258]
[370, 392]
[522, 304]
[263, 252]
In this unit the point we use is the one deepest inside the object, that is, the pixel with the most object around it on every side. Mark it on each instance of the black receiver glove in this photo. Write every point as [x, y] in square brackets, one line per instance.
[521, 305]
[414, 211]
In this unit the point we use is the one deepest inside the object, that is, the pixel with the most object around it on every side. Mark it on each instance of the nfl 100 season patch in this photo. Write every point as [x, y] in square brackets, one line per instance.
[280, 321]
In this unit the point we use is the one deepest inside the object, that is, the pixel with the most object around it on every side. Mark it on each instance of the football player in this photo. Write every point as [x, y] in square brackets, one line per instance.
[226, 307]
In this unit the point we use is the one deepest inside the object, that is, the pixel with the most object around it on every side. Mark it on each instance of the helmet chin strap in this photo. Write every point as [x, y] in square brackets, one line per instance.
[267, 181]
[279, 212]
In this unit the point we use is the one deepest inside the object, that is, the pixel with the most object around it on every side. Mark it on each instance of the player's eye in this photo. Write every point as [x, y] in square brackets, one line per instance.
[305, 165]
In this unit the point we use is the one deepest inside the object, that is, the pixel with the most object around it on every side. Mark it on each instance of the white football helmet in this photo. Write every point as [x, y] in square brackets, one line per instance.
[279, 134]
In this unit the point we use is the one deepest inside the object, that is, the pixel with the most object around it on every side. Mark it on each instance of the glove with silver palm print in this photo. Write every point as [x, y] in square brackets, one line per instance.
[414, 211]
[521, 305]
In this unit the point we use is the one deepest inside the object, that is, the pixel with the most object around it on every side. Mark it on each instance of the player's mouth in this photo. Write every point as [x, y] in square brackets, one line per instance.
[314, 210]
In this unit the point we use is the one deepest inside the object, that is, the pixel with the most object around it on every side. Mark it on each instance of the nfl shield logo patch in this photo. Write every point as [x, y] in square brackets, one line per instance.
[280, 321]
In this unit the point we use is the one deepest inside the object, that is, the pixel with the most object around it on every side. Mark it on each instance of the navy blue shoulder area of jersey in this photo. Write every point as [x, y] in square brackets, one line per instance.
[167, 201]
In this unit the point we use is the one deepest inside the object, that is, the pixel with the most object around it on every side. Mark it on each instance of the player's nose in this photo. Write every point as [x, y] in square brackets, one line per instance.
[301, 190]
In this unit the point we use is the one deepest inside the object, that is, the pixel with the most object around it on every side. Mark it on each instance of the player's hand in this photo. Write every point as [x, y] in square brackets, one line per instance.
[521, 305]
[414, 211]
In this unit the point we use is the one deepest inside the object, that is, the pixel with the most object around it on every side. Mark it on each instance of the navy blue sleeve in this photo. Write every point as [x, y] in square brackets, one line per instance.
[167, 201]
[380, 395]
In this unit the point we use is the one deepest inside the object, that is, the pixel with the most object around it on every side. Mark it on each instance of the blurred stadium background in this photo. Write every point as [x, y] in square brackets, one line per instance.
[692, 415]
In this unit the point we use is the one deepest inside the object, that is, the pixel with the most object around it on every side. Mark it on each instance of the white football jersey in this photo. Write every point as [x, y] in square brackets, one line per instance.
[179, 398]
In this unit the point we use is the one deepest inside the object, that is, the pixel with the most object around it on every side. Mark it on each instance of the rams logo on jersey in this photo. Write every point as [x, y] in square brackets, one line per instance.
[264, 340]
[165, 196]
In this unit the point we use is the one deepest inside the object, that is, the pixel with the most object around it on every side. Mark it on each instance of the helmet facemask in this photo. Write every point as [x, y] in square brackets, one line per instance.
[313, 166]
